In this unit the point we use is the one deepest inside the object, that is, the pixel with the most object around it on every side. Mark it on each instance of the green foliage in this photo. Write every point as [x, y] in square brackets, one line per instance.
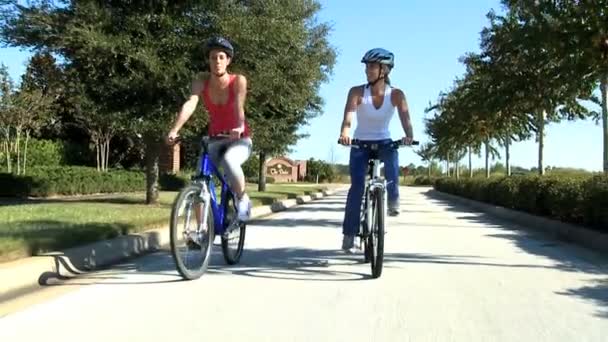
[425, 180]
[136, 61]
[173, 182]
[251, 169]
[45, 153]
[538, 60]
[73, 180]
[576, 199]
[42, 153]
[323, 170]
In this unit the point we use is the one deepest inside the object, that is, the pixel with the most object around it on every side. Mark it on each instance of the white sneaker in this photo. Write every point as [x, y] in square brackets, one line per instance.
[244, 208]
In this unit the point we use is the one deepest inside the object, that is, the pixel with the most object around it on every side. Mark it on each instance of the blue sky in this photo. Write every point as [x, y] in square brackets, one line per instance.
[427, 37]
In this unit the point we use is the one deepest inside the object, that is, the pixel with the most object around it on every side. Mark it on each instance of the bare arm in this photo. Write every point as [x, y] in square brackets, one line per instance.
[349, 110]
[187, 108]
[400, 102]
[241, 94]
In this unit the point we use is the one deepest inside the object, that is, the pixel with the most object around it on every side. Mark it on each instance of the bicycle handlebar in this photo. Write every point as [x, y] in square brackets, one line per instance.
[394, 143]
[222, 135]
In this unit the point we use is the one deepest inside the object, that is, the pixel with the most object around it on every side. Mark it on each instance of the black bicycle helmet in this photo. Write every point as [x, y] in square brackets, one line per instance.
[219, 43]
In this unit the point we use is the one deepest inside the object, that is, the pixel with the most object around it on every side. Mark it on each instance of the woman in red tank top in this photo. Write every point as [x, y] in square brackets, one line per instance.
[222, 118]
[223, 95]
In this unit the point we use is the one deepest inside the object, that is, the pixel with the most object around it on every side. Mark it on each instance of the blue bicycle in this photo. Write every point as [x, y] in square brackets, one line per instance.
[191, 245]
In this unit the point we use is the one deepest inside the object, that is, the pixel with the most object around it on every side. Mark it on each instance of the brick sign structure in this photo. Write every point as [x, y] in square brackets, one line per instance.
[283, 169]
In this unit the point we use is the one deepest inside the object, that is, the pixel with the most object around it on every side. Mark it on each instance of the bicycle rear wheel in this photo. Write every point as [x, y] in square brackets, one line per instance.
[233, 239]
[376, 236]
[190, 241]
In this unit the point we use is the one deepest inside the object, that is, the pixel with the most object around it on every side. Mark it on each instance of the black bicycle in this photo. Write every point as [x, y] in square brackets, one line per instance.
[373, 207]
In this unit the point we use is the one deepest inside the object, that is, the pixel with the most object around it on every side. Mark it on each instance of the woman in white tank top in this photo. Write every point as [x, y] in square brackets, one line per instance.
[374, 105]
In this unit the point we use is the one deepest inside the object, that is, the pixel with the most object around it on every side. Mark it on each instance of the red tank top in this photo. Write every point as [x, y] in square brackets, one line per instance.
[222, 118]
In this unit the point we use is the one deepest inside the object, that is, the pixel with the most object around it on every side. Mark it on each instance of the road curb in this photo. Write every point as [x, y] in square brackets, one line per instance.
[24, 276]
[563, 231]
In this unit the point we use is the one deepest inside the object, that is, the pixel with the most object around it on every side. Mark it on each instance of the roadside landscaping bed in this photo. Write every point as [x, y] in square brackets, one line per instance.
[30, 228]
[577, 199]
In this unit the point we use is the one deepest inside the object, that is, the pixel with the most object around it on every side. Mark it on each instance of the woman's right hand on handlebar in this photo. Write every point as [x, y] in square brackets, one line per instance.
[171, 137]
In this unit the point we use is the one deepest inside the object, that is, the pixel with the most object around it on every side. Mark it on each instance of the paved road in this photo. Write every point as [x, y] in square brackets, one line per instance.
[450, 275]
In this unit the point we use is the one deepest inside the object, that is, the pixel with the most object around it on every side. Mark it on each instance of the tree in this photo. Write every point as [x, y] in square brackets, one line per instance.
[22, 111]
[427, 154]
[575, 36]
[137, 59]
[283, 50]
[543, 90]
[319, 170]
[6, 113]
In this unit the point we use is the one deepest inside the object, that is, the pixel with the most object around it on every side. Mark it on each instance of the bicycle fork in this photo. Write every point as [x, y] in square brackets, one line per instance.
[202, 218]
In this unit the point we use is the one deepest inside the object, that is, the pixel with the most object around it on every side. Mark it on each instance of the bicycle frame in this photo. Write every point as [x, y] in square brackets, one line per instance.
[375, 181]
[207, 170]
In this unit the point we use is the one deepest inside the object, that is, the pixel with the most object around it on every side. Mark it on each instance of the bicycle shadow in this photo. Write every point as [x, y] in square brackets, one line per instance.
[291, 263]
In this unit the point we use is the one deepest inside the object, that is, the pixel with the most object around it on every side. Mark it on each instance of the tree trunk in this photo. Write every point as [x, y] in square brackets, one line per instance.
[152, 160]
[447, 164]
[470, 162]
[457, 170]
[262, 172]
[604, 90]
[487, 159]
[7, 147]
[508, 154]
[541, 142]
[102, 146]
[430, 168]
[107, 152]
[27, 138]
[17, 150]
[97, 155]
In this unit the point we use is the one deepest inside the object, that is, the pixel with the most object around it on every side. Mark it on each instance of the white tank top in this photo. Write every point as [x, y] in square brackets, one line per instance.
[372, 123]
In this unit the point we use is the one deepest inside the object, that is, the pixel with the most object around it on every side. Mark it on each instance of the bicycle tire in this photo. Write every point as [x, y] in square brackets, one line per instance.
[364, 229]
[180, 201]
[230, 211]
[377, 234]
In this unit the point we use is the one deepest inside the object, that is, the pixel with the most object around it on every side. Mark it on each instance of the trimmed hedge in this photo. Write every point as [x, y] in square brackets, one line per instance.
[70, 180]
[173, 182]
[424, 180]
[575, 199]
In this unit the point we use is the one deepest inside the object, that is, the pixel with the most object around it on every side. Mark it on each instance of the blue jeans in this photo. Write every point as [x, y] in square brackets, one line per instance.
[359, 158]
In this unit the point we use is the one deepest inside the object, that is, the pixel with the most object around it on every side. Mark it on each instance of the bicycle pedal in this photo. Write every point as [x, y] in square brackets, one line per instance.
[234, 225]
[193, 245]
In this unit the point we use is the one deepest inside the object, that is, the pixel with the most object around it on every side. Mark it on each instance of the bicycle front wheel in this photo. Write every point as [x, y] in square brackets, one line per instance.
[376, 237]
[191, 241]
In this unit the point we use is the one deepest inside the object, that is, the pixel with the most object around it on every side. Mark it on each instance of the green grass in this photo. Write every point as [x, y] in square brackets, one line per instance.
[33, 228]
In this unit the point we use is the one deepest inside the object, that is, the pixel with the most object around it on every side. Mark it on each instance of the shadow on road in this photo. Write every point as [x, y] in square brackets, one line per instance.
[567, 257]
[315, 265]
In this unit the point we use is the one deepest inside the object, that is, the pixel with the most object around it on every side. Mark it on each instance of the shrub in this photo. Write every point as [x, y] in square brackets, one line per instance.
[579, 198]
[70, 180]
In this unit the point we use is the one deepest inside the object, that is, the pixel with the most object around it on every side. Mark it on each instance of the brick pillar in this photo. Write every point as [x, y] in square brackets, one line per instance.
[169, 159]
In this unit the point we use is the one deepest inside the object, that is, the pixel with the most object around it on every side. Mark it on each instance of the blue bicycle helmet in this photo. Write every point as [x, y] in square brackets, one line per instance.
[379, 55]
[220, 43]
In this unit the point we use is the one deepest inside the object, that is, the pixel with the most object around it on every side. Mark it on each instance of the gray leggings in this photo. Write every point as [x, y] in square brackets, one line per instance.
[230, 155]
